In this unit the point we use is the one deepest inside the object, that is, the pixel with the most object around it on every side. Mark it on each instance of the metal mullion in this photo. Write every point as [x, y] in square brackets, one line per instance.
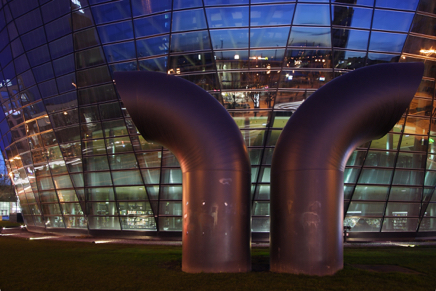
[25, 53]
[399, 144]
[369, 36]
[213, 54]
[157, 214]
[268, 128]
[394, 169]
[422, 212]
[98, 108]
[357, 180]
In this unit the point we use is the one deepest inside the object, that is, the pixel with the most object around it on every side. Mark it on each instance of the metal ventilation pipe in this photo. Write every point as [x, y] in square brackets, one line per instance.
[310, 156]
[214, 161]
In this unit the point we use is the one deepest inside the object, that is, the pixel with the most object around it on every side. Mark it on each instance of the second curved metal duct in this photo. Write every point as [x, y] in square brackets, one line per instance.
[310, 156]
[214, 161]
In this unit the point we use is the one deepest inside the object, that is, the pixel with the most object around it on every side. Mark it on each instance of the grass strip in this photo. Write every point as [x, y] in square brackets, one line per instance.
[54, 265]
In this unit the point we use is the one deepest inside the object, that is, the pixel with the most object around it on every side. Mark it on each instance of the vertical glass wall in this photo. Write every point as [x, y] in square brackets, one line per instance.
[78, 162]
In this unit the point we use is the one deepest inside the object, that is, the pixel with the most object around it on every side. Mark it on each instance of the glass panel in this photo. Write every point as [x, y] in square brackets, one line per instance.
[127, 178]
[120, 51]
[188, 20]
[403, 209]
[127, 161]
[169, 160]
[227, 17]
[387, 42]
[48, 196]
[370, 193]
[170, 223]
[100, 194]
[153, 46]
[151, 176]
[139, 7]
[375, 176]
[190, 41]
[54, 221]
[253, 137]
[104, 222]
[138, 223]
[98, 163]
[261, 208]
[392, 20]
[153, 65]
[416, 125]
[420, 107]
[111, 12]
[424, 25]
[409, 160]
[102, 208]
[269, 37]
[171, 176]
[170, 208]
[406, 5]
[67, 196]
[260, 224]
[405, 194]
[310, 14]
[400, 224]
[366, 208]
[351, 174]
[310, 37]
[135, 208]
[428, 224]
[152, 25]
[171, 192]
[97, 179]
[77, 180]
[58, 167]
[271, 14]
[351, 16]
[350, 39]
[71, 209]
[402, 177]
[131, 193]
[356, 158]
[380, 159]
[149, 160]
[119, 145]
[191, 62]
[93, 76]
[229, 38]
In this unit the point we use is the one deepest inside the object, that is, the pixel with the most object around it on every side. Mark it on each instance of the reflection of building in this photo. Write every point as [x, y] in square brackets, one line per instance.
[78, 162]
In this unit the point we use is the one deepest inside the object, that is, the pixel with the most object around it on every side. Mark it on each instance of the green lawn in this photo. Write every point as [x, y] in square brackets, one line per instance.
[51, 265]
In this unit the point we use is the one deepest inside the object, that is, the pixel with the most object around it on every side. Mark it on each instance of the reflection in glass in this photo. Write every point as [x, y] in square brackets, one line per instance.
[269, 37]
[228, 60]
[152, 46]
[189, 41]
[350, 39]
[271, 14]
[227, 17]
[310, 37]
[312, 14]
[229, 38]
[392, 20]
[188, 20]
[308, 59]
[387, 42]
[355, 17]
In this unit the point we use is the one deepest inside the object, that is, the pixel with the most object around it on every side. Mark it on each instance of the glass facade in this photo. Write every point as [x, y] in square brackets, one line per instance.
[77, 161]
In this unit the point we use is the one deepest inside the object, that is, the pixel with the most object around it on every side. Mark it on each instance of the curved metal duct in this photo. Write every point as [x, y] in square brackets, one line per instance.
[214, 161]
[310, 156]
